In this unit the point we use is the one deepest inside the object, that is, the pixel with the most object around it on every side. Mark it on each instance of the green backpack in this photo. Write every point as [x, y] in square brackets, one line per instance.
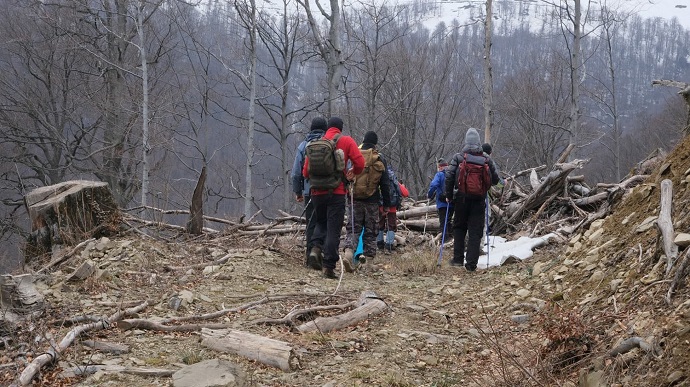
[326, 163]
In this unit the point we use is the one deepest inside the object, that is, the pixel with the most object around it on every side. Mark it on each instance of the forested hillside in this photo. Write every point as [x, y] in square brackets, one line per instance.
[144, 94]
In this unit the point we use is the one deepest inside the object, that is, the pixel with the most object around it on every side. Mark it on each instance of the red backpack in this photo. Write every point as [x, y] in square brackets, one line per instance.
[474, 177]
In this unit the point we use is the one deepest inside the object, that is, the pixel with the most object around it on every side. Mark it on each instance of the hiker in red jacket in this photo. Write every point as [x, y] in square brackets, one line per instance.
[329, 204]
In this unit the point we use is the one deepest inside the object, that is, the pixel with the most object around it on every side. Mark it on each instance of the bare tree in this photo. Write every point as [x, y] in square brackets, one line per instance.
[285, 40]
[247, 13]
[488, 94]
[330, 48]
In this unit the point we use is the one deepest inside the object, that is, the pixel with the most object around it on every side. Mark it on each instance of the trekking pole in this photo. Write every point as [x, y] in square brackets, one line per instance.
[488, 245]
[443, 239]
[352, 214]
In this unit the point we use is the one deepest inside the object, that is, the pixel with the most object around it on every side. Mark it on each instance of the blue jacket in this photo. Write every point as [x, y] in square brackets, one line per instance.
[437, 188]
[300, 185]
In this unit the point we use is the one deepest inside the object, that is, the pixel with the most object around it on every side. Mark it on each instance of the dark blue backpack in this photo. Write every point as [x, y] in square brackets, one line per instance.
[395, 194]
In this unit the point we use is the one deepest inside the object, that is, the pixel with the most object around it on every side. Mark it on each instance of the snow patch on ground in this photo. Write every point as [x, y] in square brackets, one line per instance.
[500, 249]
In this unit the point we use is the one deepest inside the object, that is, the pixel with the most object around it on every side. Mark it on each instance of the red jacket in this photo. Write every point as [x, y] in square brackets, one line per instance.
[352, 154]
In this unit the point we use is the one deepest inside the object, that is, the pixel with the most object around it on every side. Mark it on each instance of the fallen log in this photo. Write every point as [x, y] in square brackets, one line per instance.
[430, 224]
[116, 369]
[273, 231]
[274, 353]
[415, 212]
[369, 304]
[55, 351]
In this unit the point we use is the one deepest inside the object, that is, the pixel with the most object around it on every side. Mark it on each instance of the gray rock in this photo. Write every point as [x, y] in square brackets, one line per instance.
[646, 224]
[509, 260]
[210, 373]
[537, 269]
[519, 318]
[674, 377]
[682, 240]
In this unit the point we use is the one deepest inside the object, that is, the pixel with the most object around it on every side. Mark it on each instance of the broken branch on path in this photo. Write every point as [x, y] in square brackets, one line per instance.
[161, 325]
[289, 318]
[55, 351]
[369, 304]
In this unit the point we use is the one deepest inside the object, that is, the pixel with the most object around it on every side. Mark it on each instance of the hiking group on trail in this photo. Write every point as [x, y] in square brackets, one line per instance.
[330, 169]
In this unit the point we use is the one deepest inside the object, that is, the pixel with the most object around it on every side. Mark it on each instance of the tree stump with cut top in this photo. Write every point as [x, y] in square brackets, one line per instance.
[69, 212]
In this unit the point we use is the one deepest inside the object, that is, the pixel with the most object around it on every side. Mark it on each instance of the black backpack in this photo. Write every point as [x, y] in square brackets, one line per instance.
[326, 163]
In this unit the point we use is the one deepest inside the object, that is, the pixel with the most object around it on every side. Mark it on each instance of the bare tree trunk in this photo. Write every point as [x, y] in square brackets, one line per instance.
[195, 225]
[488, 75]
[248, 199]
[575, 69]
[330, 50]
[144, 105]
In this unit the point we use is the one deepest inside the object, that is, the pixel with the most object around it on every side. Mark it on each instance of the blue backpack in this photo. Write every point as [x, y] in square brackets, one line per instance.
[395, 194]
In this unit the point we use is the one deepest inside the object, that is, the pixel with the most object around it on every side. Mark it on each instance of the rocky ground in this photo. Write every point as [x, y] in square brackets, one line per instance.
[557, 318]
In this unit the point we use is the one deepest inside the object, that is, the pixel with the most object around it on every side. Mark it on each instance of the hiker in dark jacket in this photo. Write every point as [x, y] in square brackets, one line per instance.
[366, 209]
[329, 204]
[300, 185]
[468, 211]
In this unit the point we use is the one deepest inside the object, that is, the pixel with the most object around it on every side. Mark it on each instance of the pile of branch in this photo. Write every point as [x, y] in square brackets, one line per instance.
[555, 202]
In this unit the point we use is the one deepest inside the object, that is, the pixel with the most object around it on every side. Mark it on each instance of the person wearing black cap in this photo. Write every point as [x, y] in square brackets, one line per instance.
[469, 208]
[370, 188]
[437, 189]
[300, 187]
[329, 204]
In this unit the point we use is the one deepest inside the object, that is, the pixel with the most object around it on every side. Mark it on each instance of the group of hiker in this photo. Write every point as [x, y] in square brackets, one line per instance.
[332, 175]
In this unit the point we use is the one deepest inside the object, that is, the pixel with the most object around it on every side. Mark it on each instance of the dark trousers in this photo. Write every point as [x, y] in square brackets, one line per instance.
[468, 221]
[311, 222]
[329, 212]
[388, 221]
[442, 213]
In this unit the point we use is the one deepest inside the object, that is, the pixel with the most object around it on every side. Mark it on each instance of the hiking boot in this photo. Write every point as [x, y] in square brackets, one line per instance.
[471, 268]
[379, 245]
[389, 248]
[347, 264]
[329, 273]
[315, 258]
[456, 263]
[363, 259]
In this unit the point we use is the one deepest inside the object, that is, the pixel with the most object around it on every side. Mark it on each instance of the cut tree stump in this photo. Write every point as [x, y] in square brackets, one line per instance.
[68, 213]
[267, 351]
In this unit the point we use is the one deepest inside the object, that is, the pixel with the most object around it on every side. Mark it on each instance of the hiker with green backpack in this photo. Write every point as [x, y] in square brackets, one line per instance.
[324, 166]
[468, 178]
[300, 185]
[370, 187]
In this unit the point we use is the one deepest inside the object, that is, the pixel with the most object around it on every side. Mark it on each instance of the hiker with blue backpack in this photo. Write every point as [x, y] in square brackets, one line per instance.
[388, 220]
[300, 185]
[437, 189]
[469, 176]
